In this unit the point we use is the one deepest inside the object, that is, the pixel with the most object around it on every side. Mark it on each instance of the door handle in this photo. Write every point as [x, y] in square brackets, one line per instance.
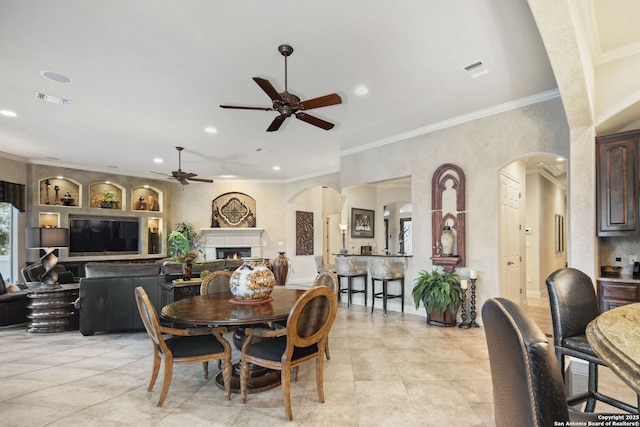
[510, 263]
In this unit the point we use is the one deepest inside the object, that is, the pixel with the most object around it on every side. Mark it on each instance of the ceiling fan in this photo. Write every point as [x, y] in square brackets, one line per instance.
[288, 104]
[184, 177]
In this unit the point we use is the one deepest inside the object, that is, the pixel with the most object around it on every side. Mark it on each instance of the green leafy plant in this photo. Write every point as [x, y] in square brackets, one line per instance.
[438, 291]
[204, 273]
[188, 230]
[180, 249]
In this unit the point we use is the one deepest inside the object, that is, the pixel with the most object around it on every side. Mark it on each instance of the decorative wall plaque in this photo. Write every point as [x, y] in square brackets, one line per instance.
[233, 210]
[304, 233]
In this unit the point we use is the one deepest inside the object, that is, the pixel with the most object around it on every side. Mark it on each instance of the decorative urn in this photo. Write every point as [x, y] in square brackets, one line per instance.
[252, 281]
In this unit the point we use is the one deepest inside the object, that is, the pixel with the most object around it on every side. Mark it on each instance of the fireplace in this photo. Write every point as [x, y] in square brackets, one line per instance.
[224, 242]
[233, 253]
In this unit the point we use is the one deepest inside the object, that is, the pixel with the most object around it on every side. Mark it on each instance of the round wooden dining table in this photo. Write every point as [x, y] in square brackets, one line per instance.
[222, 309]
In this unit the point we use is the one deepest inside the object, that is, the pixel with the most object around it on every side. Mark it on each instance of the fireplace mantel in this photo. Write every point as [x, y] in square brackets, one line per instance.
[215, 238]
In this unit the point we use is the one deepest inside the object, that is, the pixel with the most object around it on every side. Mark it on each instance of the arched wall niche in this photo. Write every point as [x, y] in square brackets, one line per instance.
[448, 206]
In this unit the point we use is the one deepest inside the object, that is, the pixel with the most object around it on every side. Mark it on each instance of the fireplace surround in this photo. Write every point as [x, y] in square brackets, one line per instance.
[225, 240]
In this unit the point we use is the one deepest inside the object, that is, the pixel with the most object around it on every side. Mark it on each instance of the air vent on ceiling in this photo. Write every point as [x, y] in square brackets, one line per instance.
[52, 99]
[476, 69]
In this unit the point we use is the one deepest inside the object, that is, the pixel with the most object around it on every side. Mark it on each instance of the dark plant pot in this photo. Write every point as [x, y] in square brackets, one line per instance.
[442, 318]
[187, 271]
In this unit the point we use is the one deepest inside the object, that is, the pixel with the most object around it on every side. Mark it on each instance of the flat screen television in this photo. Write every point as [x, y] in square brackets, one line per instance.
[104, 236]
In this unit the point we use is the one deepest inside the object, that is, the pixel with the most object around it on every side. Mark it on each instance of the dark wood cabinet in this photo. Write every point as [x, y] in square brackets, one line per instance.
[616, 293]
[178, 289]
[617, 184]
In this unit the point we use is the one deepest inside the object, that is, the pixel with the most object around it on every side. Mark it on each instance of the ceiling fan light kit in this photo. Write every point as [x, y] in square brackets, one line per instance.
[288, 104]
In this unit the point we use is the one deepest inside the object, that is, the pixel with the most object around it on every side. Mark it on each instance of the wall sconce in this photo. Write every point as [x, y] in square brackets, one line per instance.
[343, 227]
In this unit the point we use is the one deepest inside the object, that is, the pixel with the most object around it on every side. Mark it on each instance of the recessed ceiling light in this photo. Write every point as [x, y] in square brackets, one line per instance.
[560, 159]
[56, 77]
[8, 113]
[107, 182]
[227, 176]
[145, 186]
[276, 168]
[361, 90]
[210, 129]
[60, 177]
[158, 160]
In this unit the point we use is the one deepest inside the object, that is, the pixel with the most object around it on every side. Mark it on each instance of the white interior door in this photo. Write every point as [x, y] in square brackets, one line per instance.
[510, 230]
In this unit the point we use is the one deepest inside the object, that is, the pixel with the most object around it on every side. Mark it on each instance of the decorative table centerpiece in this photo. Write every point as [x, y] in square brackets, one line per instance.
[253, 281]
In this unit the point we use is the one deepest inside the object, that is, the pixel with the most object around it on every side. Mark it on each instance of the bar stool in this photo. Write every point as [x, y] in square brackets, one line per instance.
[386, 270]
[346, 266]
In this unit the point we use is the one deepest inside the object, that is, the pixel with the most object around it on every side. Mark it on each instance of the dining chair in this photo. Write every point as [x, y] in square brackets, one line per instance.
[574, 304]
[190, 345]
[321, 265]
[303, 339]
[216, 282]
[528, 389]
[330, 280]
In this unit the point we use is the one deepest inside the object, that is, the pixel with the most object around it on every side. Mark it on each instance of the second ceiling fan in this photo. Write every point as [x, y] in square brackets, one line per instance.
[288, 104]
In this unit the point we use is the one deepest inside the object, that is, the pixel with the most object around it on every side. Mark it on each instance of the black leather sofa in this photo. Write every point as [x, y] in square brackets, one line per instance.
[106, 300]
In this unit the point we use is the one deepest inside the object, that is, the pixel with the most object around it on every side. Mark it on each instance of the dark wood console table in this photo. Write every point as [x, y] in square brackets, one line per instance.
[52, 310]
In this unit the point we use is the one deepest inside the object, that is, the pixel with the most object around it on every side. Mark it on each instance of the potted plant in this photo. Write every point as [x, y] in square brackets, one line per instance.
[441, 295]
[109, 200]
[181, 251]
[188, 230]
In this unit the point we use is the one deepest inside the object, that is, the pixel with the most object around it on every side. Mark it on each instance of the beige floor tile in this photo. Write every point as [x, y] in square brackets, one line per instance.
[384, 371]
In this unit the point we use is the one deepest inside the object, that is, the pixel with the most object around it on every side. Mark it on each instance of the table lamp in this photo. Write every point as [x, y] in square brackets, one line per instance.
[343, 228]
[48, 239]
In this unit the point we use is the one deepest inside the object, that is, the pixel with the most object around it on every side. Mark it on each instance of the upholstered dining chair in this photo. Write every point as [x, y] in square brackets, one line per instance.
[321, 265]
[303, 339]
[330, 280]
[216, 282]
[191, 345]
[528, 389]
[574, 304]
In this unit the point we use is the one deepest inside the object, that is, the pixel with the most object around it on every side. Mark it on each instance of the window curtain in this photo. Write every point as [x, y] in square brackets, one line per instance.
[14, 194]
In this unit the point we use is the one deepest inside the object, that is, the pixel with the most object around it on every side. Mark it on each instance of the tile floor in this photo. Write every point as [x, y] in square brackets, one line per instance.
[383, 371]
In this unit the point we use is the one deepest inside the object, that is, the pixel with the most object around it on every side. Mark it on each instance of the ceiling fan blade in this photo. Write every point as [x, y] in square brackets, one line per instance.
[183, 181]
[201, 179]
[315, 121]
[276, 123]
[247, 108]
[189, 175]
[268, 88]
[322, 101]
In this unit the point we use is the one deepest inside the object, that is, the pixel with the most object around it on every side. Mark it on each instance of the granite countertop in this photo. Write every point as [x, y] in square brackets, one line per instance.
[626, 278]
[615, 337]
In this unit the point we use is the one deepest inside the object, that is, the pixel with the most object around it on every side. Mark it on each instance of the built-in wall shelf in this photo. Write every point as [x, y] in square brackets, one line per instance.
[60, 191]
[48, 219]
[146, 198]
[107, 195]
